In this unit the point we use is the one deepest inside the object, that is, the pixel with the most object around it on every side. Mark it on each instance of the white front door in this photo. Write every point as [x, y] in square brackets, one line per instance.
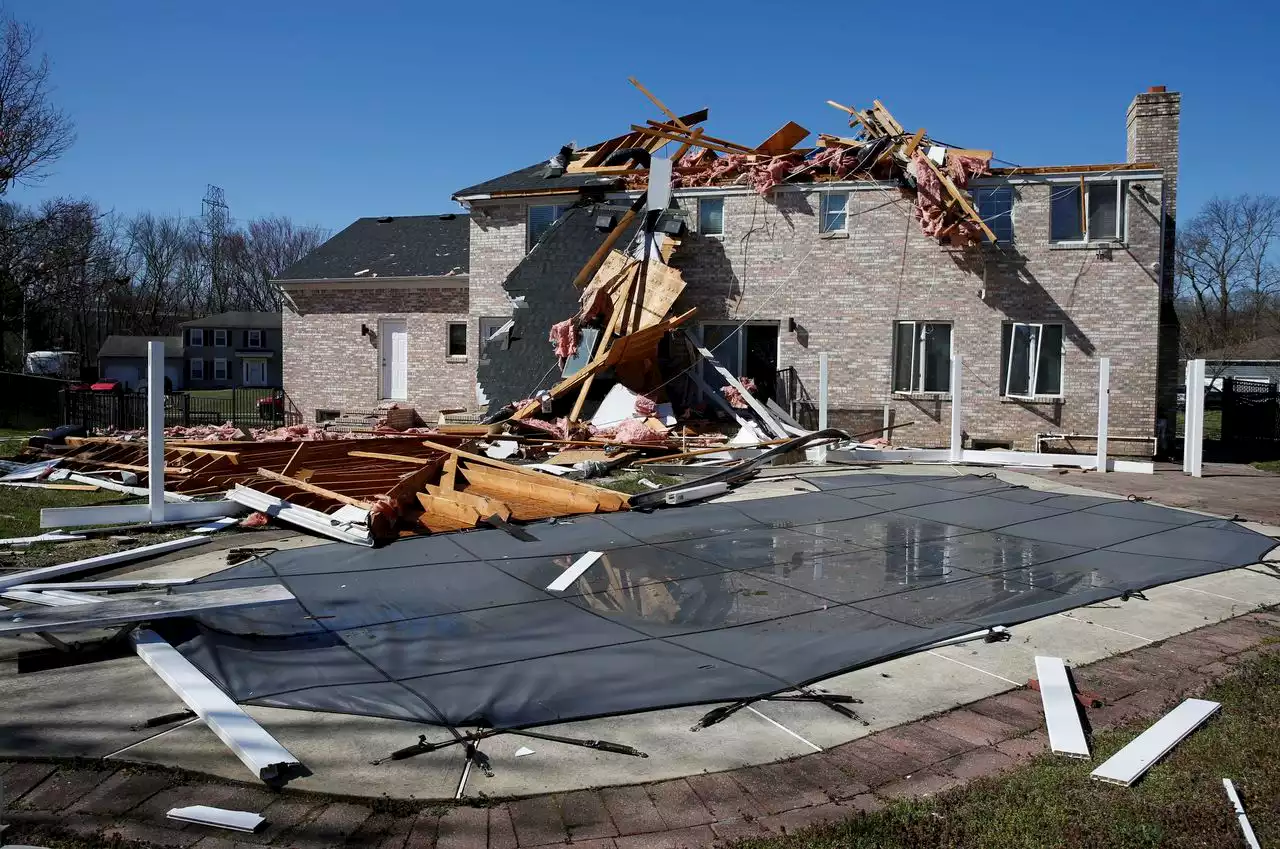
[393, 347]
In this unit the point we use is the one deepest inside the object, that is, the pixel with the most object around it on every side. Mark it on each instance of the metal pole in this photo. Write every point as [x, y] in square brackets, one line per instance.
[1104, 409]
[822, 404]
[957, 415]
[155, 430]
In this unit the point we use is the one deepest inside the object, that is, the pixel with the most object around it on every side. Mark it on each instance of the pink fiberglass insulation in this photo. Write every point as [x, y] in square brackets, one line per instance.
[633, 431]
[564, 338]
[645, 406]
[558, 429]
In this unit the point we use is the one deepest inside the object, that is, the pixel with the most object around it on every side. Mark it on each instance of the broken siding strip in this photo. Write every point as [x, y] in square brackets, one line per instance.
[129, 611]
[1061, 716]
[1130, 763]
[36, 575]
[256, 749]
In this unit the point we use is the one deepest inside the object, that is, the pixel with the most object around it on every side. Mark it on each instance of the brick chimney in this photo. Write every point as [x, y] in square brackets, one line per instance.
[1151, 129]
[1151, 126]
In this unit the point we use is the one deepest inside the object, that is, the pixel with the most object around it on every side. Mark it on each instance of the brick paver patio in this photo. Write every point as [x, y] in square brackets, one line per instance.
[128, 803]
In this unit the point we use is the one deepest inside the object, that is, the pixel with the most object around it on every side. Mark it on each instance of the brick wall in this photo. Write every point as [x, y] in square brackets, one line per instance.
[328, 364]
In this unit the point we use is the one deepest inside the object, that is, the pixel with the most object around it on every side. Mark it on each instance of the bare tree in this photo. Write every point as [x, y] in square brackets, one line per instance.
[261, 253]
[33, 133]
[1227, 273]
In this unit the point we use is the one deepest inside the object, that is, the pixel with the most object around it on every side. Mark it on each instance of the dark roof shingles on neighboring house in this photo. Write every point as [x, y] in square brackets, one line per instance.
[237, 320]
[1264, 348]
[403, 246]
[531, 181]
[136, 346]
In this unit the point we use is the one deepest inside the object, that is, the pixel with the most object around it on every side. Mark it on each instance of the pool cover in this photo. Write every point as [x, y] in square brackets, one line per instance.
[690, 605]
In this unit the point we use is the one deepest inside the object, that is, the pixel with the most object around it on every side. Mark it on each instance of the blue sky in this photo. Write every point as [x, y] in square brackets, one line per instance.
[327, 111]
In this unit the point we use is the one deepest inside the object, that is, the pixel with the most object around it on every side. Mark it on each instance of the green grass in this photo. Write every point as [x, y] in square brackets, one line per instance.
[20, 506]
[1212, 424]
[1052, 802]
[1267, 465]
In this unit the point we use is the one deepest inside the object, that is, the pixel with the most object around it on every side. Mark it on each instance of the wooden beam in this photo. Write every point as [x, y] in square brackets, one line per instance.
[449, 508]
[543, 491]
[842, 107]
[912, 143]
[313, 489]
[292, 465]
[606, 340]
[656, 102]
[670, 136]
[784, 139]
[483, 505]
[959, 198]
[414, 481]
[449, 479]
[659, 125]
[608, 498]
[1072, 169]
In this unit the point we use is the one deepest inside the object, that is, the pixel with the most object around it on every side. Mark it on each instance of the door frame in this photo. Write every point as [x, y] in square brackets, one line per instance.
[385, 376]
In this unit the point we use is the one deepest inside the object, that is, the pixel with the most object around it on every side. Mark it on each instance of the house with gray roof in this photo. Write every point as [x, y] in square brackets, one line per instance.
[124, 358]
[232, 350]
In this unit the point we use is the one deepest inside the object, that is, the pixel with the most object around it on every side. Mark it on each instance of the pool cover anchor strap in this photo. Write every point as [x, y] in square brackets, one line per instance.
[835, 701]
[474, 754]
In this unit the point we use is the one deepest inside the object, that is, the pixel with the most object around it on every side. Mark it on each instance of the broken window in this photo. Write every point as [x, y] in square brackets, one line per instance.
[711, 216]
[1031, 360]
[835, 214]
[995, 206]
[922, 357]
[1100, 216]
[457, 339]
[541, 217]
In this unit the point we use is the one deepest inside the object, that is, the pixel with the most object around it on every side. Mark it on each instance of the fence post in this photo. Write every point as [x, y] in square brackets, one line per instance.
[957, 415]
[822, 404]
[155, 430]
[1104, 409]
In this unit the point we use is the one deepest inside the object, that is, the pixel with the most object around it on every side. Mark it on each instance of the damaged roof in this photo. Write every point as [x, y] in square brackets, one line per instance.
[391, 246]
[530, 180]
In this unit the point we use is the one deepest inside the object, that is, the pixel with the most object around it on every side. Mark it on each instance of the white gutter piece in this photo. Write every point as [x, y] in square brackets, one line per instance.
[568, 576]
[250, 742]
[1061, 716]
[1241, 817]
[122, 584]
[51, 536]
[32, 597]
[36, 575]
[304, 517]
[220, 817]
[1130, 763]
[73, 597]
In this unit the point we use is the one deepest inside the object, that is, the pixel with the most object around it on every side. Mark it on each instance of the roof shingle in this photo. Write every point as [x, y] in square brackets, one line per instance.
[402, 246]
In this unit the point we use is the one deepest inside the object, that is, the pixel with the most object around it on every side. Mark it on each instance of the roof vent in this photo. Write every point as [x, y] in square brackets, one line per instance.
[386, 219]
[448, 216]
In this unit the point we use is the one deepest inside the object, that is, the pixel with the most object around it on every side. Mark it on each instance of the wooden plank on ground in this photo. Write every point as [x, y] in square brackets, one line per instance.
[606, 498]
[449, 508]
[483, 505]
[313, 489]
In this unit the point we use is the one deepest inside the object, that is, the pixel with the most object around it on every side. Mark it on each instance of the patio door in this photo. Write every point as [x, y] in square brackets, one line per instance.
[393, 348]
[747, 350]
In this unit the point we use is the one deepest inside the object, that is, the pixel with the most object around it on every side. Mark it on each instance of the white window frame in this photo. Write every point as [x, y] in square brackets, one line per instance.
[1121, 234]
[244, 372]
[917, 355]
[219, 338]
[1034, 365]
[560, 208]
[196, 374]
[823, 199]
[196, 335]
[448, 341]
[255, 338]
[717, 234]
[220, 365]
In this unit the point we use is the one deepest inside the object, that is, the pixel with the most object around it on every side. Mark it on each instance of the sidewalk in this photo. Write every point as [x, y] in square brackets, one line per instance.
[97, 799]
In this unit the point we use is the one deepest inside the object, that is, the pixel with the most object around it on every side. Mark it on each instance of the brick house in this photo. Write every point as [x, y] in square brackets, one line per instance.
[1082, 269]
[231, 350]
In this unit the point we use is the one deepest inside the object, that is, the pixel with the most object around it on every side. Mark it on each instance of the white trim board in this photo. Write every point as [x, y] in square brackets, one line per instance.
[1061, 716]
[568, 576]
[108, 613]
[122, 514]
[245, 821]
[304, 517]
[250, 742]
[36, 575]
[1130, 763]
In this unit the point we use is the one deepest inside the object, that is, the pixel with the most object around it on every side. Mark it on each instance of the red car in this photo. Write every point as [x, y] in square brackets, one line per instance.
[107, 385]
[271, 407]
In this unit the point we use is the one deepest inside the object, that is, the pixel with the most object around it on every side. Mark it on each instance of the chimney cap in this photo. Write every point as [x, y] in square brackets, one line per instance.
[1156, 89]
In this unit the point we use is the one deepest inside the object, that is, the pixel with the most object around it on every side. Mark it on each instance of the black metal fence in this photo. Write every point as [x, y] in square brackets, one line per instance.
[1250, 419]
[244, 407]
[792, 396]
[29, 401]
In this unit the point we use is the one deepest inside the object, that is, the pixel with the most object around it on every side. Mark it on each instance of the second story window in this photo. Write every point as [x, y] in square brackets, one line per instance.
[253, 339]
[1097, 216]
[219, 338]
[834, 217]
[196, 336]
[541, 217]
[922, 356]
[995, 205]
[711, 216]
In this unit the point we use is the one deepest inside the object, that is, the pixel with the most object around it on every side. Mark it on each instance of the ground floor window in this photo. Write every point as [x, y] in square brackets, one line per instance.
[197, 369]
[922, 356]
[219, 369]
[255, 372]
[1031, 358]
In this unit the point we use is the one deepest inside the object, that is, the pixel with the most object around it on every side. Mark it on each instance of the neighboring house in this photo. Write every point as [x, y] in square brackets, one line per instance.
[1252, 362]
[380, 311]
[1083, 270]
[124, 358]
[233, 349]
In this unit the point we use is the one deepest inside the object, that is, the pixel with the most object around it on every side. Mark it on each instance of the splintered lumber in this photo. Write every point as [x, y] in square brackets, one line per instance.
[528, 499]
[784, 139]
[125, 611]
[312, 488]
[959, 197]
[759, 409]
[1061, 716]
[256, 749]
[455, 511]
[1130, 763]
[483, 506]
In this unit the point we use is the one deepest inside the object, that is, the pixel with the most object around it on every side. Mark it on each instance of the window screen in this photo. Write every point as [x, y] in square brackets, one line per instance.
[711, 216]
[834, 211]
[996, 208]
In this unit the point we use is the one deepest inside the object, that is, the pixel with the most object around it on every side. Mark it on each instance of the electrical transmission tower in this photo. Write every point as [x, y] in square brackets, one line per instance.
[216, 213]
